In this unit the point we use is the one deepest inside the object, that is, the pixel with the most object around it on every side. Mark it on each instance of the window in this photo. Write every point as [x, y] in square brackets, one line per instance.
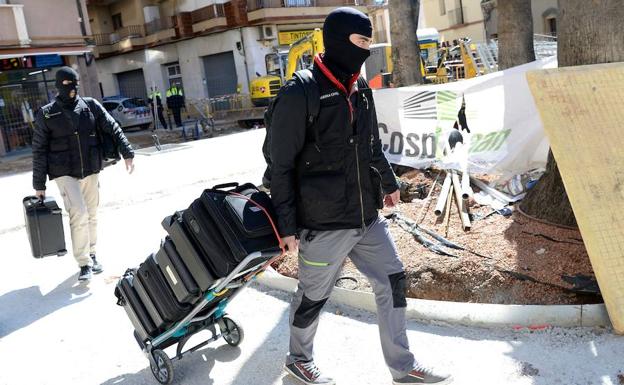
[174, 70]
[110, 106]
[175, 75]
[133, 103]
[442, 7]
[117, 21]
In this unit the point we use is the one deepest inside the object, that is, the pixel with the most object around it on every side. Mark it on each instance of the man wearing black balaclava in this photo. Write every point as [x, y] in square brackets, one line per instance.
[329, 178]
[68, 148]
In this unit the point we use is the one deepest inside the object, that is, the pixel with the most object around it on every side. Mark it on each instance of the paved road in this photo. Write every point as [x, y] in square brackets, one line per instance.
[55, 331]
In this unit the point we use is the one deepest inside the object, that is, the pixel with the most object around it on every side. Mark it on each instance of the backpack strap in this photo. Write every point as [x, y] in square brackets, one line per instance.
[313, 98]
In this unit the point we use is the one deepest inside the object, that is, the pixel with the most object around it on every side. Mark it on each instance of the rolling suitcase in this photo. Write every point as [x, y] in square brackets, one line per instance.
[229, 227]
[44, 225]
[207, 236]
[176, 273]
[128, 298]
[188, 252]
[161, 295]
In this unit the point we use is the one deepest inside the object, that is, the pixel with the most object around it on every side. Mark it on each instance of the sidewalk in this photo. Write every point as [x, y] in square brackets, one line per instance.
[54, 331]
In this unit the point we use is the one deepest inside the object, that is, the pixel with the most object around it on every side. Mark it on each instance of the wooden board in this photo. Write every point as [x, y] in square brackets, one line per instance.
[582, 109]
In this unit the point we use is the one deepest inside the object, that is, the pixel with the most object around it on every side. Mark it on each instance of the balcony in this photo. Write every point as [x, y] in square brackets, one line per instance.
[124, 39]
[259, 10]
[159, 30]
[209, 18]
[13, 30]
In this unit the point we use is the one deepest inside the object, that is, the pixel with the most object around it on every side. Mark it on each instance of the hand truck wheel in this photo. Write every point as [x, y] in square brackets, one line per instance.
[233, 333]
[163, 368]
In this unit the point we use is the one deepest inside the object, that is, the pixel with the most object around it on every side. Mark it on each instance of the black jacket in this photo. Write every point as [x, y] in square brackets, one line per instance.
[337, 182]
[67, 143]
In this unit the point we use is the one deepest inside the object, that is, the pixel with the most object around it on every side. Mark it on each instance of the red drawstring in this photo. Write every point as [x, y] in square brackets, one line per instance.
[282, 246]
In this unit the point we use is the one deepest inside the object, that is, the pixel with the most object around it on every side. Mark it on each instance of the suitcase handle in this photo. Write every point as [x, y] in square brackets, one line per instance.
[225, 185]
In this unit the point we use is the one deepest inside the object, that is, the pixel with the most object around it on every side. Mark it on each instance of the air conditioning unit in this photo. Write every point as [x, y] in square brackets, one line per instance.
[268, 32]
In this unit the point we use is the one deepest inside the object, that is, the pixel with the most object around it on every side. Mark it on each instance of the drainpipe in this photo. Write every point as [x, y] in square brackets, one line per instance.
[83, 28]
[244, 53]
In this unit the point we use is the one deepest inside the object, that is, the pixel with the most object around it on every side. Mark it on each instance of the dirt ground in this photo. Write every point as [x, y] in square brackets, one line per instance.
[522, 260]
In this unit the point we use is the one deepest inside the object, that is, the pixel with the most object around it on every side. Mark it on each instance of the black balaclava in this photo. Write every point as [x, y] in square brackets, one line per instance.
[66, 73]
[340, 53]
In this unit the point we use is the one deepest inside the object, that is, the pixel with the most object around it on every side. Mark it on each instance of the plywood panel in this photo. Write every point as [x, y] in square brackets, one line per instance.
[582, 109]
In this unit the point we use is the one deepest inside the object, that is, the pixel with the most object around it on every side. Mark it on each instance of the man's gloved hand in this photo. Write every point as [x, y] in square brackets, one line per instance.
[292, 245]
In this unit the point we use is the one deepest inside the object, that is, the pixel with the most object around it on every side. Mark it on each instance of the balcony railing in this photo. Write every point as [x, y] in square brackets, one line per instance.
[157, 25]
[207, 13]
[122, 33]
[253, 5]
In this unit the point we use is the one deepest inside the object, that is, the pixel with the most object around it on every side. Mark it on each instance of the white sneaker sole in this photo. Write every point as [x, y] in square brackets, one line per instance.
[445, 382]
[304, 381]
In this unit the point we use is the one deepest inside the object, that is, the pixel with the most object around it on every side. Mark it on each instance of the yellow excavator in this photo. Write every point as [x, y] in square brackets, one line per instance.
[281, 66]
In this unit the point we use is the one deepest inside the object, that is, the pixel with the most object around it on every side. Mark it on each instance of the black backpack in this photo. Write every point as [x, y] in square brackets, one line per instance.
[108, 143]
[313, 98]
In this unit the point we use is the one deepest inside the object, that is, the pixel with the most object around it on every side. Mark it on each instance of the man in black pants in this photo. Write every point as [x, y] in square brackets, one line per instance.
[329, 178]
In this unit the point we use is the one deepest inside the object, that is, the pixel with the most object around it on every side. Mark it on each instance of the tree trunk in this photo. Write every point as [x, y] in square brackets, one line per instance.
[515, 33]
[589, 32]
[405, 50]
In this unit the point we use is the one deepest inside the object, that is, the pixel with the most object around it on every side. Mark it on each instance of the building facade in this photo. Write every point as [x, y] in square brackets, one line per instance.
[209, 48]
[477, 19]
[36, 38]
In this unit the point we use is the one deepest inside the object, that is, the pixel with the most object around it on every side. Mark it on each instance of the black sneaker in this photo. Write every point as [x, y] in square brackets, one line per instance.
[422, 375]
[308, 373]
[85, 273]
[97, 267]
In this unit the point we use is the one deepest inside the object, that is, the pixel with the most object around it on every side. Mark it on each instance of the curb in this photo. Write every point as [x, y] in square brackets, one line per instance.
[463, 313]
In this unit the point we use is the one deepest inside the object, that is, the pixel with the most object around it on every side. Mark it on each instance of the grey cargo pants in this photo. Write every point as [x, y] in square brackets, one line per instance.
[372, 250]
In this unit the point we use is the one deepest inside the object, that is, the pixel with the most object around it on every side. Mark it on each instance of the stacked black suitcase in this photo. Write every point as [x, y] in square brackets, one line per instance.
[205, 242]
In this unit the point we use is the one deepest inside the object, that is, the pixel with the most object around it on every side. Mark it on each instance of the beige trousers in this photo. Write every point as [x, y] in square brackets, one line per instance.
[81, 198]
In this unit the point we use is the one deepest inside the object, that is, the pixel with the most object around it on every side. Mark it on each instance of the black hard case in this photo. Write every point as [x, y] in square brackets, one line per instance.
[189, 253]
[44, 226]
[161, 295]
[176, 273]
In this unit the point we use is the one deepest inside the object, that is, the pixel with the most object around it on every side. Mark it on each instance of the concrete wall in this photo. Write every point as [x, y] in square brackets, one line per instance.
[42, 19]
[101, 21]
[149, 60]
[192, 66]
[131, 11]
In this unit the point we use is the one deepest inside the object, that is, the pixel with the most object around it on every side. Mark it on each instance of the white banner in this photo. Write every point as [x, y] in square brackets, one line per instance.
[506, 134]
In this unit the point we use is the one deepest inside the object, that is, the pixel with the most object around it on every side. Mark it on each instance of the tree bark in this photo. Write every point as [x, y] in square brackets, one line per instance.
[405, 50]
[589, 32]
[515, 33]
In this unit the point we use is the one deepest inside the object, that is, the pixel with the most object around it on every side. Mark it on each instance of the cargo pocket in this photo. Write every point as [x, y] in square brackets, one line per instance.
[399, 286]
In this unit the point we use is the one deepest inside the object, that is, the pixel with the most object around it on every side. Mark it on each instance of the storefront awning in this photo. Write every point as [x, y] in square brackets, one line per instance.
[32, 51]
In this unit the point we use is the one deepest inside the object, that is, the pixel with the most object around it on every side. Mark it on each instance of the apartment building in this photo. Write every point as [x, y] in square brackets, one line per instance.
[477, 19]
[209, 48]
[36, 38]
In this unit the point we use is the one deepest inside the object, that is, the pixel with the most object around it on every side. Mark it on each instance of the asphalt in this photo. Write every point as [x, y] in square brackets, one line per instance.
[56, 331]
